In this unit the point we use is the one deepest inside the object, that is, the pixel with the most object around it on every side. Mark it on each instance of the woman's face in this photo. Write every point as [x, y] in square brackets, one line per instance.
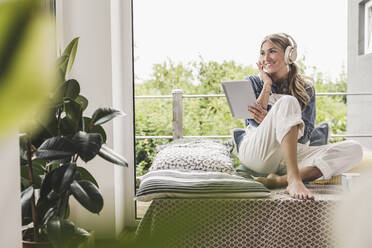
[272, 58]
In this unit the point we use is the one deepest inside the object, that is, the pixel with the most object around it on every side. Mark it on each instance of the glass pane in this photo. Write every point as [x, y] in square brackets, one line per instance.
[193, 45]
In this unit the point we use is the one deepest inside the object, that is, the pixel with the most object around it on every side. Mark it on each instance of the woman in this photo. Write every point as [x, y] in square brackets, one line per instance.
[281, 124]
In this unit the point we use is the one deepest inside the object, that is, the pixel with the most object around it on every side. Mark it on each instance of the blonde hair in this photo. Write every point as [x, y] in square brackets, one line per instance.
[297, 83]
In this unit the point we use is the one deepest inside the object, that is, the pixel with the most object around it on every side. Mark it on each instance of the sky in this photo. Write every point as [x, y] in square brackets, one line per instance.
[183, 30]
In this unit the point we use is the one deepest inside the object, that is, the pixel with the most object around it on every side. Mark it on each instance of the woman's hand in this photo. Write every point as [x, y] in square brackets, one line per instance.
[265, 77]
[258, 113]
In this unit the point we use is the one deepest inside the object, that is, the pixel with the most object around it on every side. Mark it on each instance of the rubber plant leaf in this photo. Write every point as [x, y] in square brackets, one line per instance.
[94, 128]
[85, 175]
[55, 148]
[88, 195]
[60, 232]
[82, 101]
[87, 145]
[70, 89]
[73, 114]
[111, 156]
[46, 185]
[103, 115]
[70, 51]
[26, 196]
[63, 177]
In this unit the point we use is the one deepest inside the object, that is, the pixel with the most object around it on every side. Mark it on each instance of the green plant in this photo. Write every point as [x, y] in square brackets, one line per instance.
[50, 157]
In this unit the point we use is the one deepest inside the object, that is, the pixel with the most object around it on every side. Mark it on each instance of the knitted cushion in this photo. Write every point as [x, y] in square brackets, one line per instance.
[206, 155]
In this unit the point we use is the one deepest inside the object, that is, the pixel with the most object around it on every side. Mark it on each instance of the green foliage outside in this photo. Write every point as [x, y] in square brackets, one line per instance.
[211, 116]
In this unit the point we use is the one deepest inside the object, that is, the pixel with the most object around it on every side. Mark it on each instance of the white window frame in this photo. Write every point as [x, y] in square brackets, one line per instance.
[123, 83]
[120, 188]
[368, 27]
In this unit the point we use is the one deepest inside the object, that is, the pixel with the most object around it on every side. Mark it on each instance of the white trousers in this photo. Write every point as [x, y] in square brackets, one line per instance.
[260, 150]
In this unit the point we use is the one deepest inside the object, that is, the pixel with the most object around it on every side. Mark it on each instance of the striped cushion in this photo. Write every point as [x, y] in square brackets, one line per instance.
[197, 184]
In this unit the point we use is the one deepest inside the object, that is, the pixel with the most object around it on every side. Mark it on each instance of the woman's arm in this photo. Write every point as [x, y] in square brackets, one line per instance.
[259, 110]
[263, 99]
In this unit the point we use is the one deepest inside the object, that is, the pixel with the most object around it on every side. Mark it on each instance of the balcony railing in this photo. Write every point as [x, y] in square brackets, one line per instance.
[177, 129]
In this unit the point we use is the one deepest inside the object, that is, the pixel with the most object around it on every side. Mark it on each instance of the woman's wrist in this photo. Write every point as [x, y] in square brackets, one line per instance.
[267, 88]
[267, 82]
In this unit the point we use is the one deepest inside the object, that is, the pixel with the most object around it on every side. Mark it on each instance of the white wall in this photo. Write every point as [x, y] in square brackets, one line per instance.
[10, 206]
[106, 81]
[359, 116]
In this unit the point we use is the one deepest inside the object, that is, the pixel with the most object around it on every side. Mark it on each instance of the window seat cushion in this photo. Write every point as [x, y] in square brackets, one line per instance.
[197, 184]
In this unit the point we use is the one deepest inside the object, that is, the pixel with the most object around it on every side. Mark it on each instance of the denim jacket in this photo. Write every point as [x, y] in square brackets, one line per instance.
[308, 114]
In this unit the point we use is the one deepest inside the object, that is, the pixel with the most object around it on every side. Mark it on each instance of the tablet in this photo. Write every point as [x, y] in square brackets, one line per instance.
[239, 95]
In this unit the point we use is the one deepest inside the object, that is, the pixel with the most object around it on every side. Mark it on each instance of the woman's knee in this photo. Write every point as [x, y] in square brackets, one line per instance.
[355, 150]
[351, 151]
[287, 102]
[341, 157]
[287, 99]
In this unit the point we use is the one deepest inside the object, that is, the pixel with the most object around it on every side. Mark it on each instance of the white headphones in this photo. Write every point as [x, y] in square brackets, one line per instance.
[290, 53]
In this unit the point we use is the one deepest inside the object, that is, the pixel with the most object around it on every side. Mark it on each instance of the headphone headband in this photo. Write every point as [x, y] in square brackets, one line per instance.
[291, 40]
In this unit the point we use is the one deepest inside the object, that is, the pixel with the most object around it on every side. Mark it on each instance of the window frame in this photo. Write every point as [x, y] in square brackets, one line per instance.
[368, 27]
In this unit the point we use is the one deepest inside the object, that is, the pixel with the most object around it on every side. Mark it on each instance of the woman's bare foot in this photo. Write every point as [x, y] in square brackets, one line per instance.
[272, 181]
[297, 190]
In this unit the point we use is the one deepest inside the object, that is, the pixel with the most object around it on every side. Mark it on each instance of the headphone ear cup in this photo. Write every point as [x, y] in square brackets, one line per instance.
[290, 53]
[293, 55]
[287, 55]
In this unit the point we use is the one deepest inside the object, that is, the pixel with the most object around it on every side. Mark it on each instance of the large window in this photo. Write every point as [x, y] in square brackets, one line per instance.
[192, 45]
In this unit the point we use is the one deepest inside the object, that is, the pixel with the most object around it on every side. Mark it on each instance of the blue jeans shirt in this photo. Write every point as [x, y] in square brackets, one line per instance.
[308, 114]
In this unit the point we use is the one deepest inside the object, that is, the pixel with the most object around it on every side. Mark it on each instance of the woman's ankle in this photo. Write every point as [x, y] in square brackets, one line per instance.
[293, 178]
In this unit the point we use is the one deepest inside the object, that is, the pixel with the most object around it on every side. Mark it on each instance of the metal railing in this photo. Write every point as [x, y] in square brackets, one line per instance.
[177, 109]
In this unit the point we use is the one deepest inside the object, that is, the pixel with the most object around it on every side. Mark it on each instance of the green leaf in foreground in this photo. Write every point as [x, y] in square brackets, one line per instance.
[29, 71]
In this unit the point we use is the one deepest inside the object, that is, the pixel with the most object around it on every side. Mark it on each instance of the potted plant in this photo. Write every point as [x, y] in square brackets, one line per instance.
[50, 160]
